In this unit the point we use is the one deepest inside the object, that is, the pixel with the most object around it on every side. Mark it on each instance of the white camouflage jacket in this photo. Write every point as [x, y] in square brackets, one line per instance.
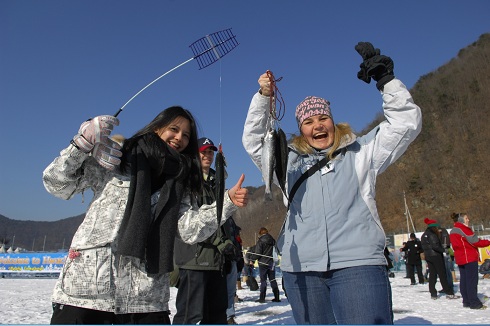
[96, 278]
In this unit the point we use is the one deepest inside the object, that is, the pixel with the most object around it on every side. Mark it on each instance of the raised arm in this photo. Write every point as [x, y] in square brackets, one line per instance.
[255, 123]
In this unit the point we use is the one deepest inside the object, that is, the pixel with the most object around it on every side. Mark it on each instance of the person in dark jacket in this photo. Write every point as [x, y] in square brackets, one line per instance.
[448, 262]
[413, 249]
[249, 261]
[264, 249]
[202, 287]
[404, 259]
[433, 250]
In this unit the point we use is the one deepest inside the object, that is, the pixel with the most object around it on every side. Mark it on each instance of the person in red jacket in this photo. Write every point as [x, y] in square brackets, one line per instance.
[465, 246]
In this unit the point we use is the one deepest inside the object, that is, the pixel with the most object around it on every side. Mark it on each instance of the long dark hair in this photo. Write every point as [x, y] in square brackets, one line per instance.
[162, 120]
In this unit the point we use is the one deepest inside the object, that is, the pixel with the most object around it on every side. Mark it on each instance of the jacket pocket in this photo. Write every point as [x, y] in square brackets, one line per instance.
[89, 274]
[147, 287]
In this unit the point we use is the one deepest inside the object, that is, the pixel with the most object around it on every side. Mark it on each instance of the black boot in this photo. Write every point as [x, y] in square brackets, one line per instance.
[276, 295]
[262, 298]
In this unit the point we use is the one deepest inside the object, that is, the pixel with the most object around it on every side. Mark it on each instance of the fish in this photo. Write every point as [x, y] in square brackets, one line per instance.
[281, 159]
[219, 166]
[268, 160]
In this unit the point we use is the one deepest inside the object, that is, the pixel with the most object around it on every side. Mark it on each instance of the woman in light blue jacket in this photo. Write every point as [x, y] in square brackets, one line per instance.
[332, 241]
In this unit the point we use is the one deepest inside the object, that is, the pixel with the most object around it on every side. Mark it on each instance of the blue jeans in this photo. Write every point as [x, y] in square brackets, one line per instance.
[231, 281]
[354, 295]
[267, 272]
[449, 267]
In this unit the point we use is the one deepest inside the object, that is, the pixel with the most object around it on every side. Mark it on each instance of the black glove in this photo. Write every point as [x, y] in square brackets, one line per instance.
[228, 249]
[376, 66]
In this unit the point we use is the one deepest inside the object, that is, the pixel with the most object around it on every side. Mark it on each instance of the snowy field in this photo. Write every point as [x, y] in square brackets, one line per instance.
[27, 301]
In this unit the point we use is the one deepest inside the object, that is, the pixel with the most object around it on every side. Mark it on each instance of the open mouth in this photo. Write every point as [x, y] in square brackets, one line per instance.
[320, 136]
[174, 146]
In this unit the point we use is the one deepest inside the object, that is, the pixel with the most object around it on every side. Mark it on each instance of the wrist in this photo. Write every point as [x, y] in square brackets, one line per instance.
[82, 144]
[261, 92]
[72, 142]
[383, 81]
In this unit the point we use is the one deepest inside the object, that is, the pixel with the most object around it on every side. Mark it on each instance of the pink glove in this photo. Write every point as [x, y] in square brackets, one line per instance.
[93, 137]
[94, 131]
[107, 153]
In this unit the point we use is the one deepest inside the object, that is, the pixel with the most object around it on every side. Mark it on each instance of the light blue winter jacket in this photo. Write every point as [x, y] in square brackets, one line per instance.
[333, 222]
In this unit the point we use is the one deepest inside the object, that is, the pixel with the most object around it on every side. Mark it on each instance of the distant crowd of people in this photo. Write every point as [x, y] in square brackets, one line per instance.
[440, 250]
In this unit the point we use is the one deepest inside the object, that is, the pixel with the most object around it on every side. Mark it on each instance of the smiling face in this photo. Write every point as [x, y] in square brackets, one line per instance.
[176, 134]
[319, 131]
[207, 158]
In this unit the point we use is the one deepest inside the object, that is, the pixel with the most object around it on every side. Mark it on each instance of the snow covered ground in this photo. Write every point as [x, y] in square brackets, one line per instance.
[27, 301]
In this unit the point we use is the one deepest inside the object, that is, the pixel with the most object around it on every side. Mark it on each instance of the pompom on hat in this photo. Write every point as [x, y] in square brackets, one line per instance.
[431, 223]
[312, 106]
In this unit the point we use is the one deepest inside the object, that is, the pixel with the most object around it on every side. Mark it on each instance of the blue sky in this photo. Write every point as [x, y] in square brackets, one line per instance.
[62, 62]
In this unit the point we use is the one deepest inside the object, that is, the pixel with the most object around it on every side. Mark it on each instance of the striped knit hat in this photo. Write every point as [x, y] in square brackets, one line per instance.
[312, 106]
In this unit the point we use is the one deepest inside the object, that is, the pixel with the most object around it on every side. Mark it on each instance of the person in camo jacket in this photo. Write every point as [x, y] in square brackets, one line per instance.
[117, 270]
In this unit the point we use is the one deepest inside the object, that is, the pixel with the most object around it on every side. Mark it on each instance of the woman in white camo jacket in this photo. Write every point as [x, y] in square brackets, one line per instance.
[121, 255]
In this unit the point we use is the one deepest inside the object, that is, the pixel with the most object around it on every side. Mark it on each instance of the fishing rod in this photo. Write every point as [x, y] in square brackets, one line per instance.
[253, 253]
[207, 50]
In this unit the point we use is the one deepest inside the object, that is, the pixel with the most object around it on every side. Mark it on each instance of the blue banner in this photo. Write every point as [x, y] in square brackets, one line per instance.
[36, 262]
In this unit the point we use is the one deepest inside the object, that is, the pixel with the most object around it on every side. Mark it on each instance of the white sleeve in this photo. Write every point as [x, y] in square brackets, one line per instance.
[254, 128]
[402, 125]
[64, 177]
[196, 224]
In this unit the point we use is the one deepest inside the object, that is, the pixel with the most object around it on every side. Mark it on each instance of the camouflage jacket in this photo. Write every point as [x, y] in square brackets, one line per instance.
[93, 276]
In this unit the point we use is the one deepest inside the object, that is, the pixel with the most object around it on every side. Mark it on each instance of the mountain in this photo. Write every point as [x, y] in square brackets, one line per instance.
[444, 170]
[38, 236]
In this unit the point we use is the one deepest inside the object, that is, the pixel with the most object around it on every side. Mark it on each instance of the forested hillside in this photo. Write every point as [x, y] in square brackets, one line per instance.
[446, 169]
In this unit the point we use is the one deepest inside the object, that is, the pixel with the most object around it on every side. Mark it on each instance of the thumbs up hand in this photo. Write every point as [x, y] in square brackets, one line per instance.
[239, 195]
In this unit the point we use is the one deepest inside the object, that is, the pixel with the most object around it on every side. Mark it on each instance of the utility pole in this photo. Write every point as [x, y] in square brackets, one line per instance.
[407, 214]
[44, 244]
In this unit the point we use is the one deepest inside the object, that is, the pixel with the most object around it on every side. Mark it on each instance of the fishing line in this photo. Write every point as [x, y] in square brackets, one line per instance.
[220, 163]
[277, 113]
[220, 105]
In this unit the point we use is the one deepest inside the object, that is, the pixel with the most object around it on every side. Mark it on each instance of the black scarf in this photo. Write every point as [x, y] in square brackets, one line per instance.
[153, 165]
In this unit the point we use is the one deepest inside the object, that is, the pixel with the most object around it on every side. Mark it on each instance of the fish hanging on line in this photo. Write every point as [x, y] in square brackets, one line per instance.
[281, 159]
[274, 144]
[219, 166]
[268, 161]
